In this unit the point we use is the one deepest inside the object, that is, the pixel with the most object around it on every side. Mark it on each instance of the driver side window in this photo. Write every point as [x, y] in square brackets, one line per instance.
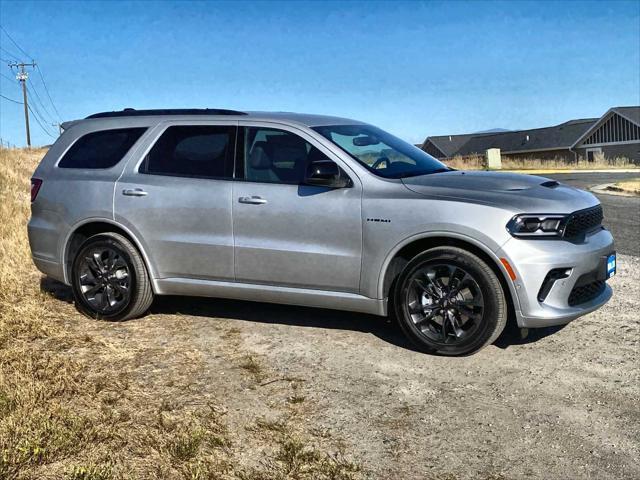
[276, 156]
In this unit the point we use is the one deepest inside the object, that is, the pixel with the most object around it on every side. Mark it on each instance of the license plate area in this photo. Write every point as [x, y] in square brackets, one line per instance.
[608, 265]
[611, 265]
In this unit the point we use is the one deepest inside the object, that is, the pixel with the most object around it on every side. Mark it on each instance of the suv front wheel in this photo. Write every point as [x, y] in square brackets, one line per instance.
[449, 301]
[109, 279]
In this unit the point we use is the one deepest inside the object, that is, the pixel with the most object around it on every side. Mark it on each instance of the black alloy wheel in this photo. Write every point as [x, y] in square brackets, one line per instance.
[109, 278]
[445, 303]
[450, 302]
[104, 279]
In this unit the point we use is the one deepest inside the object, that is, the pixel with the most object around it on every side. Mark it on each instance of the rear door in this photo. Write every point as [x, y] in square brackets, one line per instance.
[176, 198]
[287, 233]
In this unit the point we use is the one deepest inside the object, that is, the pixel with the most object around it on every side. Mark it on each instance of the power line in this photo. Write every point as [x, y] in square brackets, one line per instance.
[37, 67]
[38, 122]
[8, 78]
[33, 90]
[22, 76]
[47, 90]
[10, 54]
[11, 99]
[14, 42]
[38, 113]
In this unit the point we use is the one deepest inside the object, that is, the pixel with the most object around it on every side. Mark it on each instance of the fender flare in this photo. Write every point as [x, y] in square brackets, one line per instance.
[132, 236]
[453, 235]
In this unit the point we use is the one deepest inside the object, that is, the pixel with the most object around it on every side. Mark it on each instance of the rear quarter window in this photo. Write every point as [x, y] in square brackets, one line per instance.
[102, 149]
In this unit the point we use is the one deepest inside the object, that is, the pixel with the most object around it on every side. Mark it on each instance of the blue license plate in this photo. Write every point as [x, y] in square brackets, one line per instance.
[611, 265]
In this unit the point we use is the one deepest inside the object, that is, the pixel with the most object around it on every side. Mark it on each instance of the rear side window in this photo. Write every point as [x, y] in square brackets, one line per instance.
[102, 149]
[201, 151]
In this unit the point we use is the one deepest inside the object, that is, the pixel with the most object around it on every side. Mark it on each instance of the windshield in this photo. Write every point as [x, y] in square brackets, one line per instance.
[380, 152]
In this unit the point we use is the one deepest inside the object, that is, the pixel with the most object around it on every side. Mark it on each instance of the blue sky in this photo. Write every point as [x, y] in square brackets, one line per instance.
[412, 68]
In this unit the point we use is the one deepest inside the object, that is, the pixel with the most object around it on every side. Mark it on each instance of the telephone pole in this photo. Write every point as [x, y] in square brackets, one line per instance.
[22, 76]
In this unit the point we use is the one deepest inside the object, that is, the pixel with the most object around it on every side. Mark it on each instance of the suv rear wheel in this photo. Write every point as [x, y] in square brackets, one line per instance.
[109, 279]
[449, 301]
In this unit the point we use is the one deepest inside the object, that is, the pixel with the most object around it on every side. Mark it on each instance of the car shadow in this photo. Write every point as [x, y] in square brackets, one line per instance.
[383, 328]
[512, 335]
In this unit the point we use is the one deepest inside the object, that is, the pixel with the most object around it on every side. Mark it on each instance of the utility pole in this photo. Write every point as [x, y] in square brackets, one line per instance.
[22, 76]
[59, 125]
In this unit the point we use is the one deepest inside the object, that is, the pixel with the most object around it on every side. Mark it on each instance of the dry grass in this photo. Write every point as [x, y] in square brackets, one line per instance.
[477, 162]
[628, 186]
[70, 406]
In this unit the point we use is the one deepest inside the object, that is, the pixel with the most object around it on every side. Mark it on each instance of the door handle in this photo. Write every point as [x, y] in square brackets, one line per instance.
[134, 192]
[253, 200]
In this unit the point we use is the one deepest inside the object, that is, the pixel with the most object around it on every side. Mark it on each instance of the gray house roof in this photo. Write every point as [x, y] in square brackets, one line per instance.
[630, 113]
[558, 137]
[450, 144]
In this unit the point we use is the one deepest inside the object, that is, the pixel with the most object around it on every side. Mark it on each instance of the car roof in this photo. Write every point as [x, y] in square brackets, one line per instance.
[131, 117]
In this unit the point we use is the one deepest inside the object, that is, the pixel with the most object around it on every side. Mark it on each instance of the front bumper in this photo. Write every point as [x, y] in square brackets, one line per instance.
[532, 260]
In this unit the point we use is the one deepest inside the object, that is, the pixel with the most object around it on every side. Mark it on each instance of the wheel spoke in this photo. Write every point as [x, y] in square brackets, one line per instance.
[97, 260]
[472, 302]
[425, 319]
[469, 313]
[119, 264]
[111, 299]
[123, 290]
[465, 281]
[92, 266]
[91, 290]
[439, 284]
[454, 323]
[88, 278]
[111, 258]
[444, 329]
[422, 285]
[415, 307]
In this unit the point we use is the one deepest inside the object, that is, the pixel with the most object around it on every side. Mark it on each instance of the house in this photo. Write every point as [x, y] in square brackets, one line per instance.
[615, 134]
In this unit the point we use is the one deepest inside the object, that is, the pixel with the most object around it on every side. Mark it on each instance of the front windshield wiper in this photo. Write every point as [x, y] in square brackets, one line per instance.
[422, 172]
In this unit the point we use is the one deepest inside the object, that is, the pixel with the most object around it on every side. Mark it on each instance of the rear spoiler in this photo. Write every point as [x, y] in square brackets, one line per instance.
[66, 125]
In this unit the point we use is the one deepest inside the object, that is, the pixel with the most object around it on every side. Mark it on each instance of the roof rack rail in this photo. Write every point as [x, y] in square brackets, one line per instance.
[132, 112]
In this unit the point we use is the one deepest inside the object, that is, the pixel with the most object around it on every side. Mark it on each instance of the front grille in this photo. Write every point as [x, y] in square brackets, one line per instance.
[586, 292]
[583, 221]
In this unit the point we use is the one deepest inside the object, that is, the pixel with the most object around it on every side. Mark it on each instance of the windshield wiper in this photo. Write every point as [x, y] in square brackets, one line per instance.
[423, 172]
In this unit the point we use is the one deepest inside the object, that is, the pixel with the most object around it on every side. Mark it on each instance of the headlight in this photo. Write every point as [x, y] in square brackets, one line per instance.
[537, 225]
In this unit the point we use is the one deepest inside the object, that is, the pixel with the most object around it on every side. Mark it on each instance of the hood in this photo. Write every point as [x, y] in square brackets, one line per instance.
[516, 192]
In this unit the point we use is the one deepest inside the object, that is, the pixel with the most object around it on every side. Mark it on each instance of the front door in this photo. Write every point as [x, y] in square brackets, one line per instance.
[287, 233]
[177, 201]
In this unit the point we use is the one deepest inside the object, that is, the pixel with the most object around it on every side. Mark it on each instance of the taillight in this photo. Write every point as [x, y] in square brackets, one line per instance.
[36, 183]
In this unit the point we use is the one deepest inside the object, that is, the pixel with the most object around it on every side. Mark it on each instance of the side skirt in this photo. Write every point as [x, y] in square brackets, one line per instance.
[271, 294]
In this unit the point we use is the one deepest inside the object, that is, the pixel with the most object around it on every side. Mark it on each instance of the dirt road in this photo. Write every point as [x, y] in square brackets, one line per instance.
[561, 404]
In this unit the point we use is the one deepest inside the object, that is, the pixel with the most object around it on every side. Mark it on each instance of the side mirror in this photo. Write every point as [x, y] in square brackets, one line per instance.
[325, 173]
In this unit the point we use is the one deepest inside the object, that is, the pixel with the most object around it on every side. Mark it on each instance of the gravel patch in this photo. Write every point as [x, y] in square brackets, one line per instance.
[562, 403]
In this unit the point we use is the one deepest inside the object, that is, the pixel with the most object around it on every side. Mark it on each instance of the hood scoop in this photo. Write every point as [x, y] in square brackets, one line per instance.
[550, 184]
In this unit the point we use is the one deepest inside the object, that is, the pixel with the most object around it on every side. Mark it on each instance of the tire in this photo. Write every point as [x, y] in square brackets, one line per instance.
[109, 279]
[450, 302]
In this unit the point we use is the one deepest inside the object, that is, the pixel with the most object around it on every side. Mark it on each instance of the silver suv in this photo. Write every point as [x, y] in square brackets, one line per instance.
[310, 210]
